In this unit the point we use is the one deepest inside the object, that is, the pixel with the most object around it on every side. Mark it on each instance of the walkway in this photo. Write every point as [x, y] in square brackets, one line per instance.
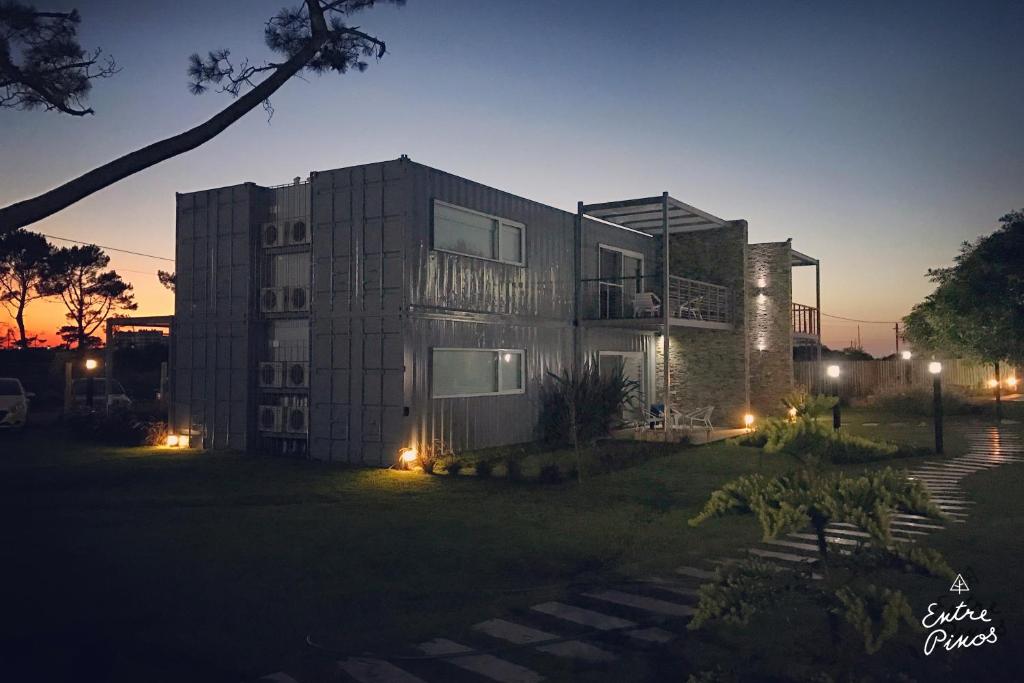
[598, 627]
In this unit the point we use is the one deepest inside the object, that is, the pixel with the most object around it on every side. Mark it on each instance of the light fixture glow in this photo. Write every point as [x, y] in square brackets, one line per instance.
[172, 440]
[761, 346]
[91, 364]
[792, 412]
[1011, 382]
[508, 357]
[832, 371]
[935, 367]
[907, 355]
[748, 420]
[407, 455]
[993, 383]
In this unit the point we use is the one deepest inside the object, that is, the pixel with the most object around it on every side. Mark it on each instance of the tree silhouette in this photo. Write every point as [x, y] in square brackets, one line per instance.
[24, 260]
[167, 279]
[313, 37]
[977, 308]
[89, 293]
[41, 63]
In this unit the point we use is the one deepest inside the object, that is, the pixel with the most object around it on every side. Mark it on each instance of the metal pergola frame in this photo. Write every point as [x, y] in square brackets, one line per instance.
[665, 216]
[164, 321]
[800, 259]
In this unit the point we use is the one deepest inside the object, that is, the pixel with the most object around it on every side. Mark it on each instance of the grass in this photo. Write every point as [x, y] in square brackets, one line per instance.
[161, 565]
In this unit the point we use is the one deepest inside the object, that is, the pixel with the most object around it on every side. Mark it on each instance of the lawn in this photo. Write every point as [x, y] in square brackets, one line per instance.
[160, 565]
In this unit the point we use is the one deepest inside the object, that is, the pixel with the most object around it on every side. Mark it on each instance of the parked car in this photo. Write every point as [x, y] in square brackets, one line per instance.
[13, 403]
[115, 399]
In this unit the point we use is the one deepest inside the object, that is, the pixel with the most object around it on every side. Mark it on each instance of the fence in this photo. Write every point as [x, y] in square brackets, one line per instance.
[866, 377]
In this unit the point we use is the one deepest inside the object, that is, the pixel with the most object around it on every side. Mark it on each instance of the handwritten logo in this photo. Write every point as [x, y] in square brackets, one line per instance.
[938, 620]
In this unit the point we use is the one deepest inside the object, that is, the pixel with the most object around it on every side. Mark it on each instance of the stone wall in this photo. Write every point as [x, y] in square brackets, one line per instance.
[769, 320]
[708, 366]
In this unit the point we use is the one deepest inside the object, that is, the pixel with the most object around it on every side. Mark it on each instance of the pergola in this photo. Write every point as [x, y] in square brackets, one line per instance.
[162, 321]
[664, 215]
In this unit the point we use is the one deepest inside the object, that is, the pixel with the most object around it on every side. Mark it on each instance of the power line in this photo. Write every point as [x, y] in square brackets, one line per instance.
[855, 320]
[123, 251]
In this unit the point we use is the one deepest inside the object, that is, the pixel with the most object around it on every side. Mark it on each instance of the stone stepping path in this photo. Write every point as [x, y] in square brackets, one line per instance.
[595, 629]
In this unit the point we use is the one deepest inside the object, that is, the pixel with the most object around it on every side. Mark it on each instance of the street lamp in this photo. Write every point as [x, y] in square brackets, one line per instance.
[935, 368]
[90, 389]
[833, 371]
[907, 355]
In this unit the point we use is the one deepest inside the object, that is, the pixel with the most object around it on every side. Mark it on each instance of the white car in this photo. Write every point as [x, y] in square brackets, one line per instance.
[115, 399]
[13, 403]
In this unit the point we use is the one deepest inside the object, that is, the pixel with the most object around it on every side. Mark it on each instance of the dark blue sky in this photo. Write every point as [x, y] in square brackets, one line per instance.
[878, 135]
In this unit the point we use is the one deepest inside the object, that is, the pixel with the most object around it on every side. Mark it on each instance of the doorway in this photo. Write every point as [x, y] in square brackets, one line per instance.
[632, 364]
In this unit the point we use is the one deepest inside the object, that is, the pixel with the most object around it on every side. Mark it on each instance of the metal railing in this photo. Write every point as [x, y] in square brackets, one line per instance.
[805, 320]
[641, 298]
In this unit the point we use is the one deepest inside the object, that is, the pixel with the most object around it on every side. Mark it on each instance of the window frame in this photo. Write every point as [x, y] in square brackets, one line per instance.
[499, 352]
[495, 235]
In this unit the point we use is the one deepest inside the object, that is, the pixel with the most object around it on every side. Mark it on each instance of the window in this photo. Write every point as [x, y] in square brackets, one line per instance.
[472, 233]
[477, 372]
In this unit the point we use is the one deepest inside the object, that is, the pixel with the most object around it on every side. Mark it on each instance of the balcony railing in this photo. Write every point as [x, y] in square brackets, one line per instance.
[641, 297]
[805, 320]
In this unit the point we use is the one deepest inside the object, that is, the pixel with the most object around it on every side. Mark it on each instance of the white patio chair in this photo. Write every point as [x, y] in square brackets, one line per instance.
[649, 420]
[646, 303]
[692, 308]
[701, 417]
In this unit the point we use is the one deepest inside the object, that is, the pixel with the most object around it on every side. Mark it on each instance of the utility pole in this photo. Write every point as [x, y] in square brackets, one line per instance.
[897, 328]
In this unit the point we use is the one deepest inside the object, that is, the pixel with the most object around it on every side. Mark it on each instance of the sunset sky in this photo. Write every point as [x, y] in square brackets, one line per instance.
[877, 135]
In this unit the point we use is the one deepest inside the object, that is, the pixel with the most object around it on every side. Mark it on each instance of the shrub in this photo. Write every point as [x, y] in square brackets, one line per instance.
[582, 406]
[919, 402]
[550, 474]
[513, 470]
[807, 405]
[809, 439]
[119, 428]
[484, 468]
[453, 468]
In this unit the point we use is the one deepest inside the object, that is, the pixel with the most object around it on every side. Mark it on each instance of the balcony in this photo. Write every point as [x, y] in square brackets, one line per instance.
[805, 325]
[636, 302]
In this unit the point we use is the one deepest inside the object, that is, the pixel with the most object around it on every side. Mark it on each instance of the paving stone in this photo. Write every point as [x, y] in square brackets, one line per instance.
[523, 635]
[652, 635]
[367, 670]
[695, 572]
[775, 555]
[488, 666]
[642, 602]
[279, 677]
[579, 615]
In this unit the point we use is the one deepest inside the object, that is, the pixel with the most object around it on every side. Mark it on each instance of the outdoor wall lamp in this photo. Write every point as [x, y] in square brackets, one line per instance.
[833, 371]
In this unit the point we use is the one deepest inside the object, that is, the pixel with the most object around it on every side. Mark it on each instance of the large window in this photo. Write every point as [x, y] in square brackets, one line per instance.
[472, 233]
[477, 372]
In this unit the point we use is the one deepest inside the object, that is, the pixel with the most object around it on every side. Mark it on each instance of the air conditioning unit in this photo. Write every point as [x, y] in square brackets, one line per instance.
[270, 418]
[296, 374]
[271, 374]
[297, 232]
[274, 299]
[298, 298]
[296, 419]
[272, 235]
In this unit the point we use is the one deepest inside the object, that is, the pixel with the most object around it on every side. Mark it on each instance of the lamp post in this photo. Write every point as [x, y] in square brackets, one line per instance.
[90, 388]
[907, 355]
[833, 372]
[935, 368]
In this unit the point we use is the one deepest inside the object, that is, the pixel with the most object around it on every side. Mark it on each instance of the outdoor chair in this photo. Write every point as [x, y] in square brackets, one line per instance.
[691, 308]
[646, 303]
[701, 417]
[653, 418]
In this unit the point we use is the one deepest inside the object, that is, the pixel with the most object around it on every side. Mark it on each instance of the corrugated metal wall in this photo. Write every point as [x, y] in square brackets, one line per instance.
[463, 302]
[213, 328]
[357, 383]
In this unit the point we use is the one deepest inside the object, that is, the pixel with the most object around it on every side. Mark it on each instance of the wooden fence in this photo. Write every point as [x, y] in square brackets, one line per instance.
[866, 377]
